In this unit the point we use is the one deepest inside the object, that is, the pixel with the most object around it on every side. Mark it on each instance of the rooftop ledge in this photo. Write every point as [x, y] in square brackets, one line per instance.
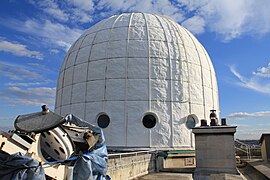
[214, 130]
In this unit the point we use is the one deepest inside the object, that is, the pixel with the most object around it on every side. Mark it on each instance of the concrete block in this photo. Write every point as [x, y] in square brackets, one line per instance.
[215, 152]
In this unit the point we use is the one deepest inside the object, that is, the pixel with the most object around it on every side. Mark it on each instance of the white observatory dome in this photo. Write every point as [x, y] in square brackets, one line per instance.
[143, 78]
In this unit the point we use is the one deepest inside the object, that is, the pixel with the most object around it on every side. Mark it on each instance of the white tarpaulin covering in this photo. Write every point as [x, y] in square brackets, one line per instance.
[134, 64]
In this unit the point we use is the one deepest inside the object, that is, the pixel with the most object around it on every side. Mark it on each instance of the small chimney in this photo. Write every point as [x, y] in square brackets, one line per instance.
[223, 122]
[203, 122]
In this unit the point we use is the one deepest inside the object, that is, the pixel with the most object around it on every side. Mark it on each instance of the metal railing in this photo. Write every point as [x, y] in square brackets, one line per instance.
[244, 148]
[125, 154]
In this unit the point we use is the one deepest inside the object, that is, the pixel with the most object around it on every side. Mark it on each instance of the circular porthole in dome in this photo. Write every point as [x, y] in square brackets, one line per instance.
[149, 120]
[103, 120]
[191, 121]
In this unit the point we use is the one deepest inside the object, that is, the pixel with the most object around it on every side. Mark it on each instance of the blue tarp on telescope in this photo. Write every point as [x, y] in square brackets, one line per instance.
[19, 167]
[91, 165]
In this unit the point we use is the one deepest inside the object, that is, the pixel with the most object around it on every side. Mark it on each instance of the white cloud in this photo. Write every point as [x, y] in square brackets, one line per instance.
[7, 118]
[19, 50]
[54, 51]
[64, 11]
[23, 84]
[248, 133]
[244, 115]
[232, 19]
[55, 33]
[195, 24]
[51, 8]
[250, 125]
[229, 19]
[57, 13]
[164, 7]
[81, 16]
[253, 83]
[83, 4]
[263, 71]
[16, 72]
[6, 127]
[29, 96]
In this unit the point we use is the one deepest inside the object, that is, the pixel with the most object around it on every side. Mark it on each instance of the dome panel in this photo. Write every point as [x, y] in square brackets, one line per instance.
[116, 68]
[78, 93]
[174, 51]
[117, 49]
[78, 109]
[71, 59]
[137, 20]
[115, 89]
[77, 44]
[103, 36]
[68, 76]
[66, 95]
[92, 110]
[83, 55]
[136, 68]
[122, 20]
[159, 90]
[120, 33]
[80, 72]
[95, 90]
[137, 33]
[65, 110]
[99, 51]
[156, 33]
[96, 70]
[59, 98]
[137, 89]
[138, 48]
[160, 68]
[152, 20]
[88, 40]
[136, 132]
[115, 110]
[158, 49]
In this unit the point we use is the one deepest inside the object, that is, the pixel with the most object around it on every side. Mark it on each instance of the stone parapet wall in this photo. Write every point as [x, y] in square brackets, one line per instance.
[130, 166]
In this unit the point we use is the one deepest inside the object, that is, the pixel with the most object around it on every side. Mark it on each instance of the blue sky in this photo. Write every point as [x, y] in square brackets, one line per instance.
[35, 35]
